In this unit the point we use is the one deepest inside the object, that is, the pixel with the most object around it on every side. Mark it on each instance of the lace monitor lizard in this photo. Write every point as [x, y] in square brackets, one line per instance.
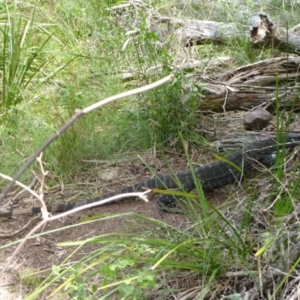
[211, 177]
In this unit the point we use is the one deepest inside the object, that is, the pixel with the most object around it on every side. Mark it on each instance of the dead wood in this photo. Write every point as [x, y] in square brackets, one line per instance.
[261, 83]
[256, 84]
[264, 31]
[197, 32]
[260, 30]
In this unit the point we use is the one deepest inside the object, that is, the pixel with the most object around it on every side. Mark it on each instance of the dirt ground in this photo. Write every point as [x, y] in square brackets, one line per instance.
[42, 252]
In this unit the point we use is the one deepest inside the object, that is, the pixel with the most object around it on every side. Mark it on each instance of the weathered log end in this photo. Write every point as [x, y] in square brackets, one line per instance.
[261, 26]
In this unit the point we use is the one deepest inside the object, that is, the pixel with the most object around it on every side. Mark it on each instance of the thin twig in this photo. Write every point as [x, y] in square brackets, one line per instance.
[42, 183]
[33, 193]
[31, 185]
[46, 218]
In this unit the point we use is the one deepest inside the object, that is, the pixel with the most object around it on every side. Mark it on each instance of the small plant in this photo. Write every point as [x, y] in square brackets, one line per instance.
[31, 278]
[172, 109]
[20, 58]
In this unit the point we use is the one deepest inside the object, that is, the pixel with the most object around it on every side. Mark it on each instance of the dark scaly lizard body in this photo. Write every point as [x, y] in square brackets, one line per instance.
[212, 176]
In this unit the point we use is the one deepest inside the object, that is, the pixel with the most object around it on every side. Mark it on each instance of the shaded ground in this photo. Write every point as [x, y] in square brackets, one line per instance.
[42, 252]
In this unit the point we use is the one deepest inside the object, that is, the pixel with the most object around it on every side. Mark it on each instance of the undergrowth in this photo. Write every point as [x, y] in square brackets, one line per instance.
[61, 55]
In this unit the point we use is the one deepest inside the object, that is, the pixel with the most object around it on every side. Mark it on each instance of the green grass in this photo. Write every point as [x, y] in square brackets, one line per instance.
[58, 56]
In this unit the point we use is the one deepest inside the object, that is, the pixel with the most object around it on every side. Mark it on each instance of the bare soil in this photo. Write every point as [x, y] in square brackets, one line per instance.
[42, 252]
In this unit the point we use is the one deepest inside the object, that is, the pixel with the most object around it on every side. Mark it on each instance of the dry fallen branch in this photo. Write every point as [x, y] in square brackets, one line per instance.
[253, 85]
[46, 218]
[260, 30]
[24, 187]
[261, 83]
[45, 215]
[79, 113]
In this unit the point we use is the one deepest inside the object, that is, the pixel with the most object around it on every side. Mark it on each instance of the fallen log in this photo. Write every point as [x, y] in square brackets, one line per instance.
[261, 83]
[260, 30]
[258, 84]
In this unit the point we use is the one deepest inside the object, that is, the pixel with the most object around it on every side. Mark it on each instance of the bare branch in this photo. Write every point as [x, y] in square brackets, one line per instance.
[47, 218]
[33, 193]
[77, 115]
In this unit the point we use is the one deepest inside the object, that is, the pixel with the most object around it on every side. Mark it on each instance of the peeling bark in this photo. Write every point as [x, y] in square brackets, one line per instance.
[256, 84]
